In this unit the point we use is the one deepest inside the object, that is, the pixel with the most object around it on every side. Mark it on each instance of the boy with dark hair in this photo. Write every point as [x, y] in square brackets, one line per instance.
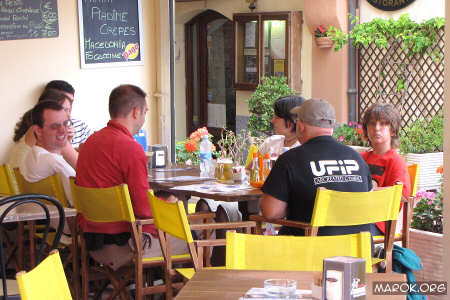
[381, 125]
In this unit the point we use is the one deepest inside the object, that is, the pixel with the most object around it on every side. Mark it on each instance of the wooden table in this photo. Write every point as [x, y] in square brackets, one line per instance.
[32, 212]
[233, 284]
[248, 201]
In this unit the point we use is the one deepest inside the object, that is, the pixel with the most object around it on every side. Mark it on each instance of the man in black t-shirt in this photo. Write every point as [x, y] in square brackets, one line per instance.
[320, 161]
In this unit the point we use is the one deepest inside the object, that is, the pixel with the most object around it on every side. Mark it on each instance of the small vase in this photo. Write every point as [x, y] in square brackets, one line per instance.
[324, 42]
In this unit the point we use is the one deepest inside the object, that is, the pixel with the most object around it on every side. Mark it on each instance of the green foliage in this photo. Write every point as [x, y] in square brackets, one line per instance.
[183, 155]
[422, 136]
[260, 104]
[427, 214]
[350, 134]
[416, 38]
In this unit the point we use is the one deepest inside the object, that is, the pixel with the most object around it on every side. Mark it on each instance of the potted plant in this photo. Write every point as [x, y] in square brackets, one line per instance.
[233, 147]
[188, 151]
[260, 104]
[321, 37]
[421, 142]
[426, 238]
[352, 134]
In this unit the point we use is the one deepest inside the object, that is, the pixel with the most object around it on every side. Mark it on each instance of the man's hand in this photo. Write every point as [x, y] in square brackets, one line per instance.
[70, 133]
[30, 138]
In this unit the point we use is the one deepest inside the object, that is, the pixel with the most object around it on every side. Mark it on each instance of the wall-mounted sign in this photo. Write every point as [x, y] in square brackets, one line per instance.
[390, 4]
[28, 19]
[110, 33]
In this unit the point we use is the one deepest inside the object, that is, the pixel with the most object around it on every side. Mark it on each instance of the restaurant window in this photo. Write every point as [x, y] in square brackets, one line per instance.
[267, 44]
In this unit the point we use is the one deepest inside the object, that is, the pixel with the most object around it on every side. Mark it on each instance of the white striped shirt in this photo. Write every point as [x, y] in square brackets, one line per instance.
[82, 132]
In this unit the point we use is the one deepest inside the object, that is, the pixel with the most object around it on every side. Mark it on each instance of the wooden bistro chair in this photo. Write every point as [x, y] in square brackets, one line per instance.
[53, 186]
[8, 187]
[171, 219]
[335, 208]
[113, 204]
[408, 207]
[11, 203]
[45, 282]
[293, 253]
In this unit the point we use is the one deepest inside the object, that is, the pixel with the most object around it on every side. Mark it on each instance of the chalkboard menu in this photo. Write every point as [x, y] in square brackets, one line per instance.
[110, 33]
[28, 19]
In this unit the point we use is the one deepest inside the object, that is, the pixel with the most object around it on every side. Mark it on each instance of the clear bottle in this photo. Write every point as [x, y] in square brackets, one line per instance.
[254, 171]
[205, 157]
[267, 166]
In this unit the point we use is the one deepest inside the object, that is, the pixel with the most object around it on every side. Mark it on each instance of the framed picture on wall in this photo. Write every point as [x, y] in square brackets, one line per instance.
[110, 33]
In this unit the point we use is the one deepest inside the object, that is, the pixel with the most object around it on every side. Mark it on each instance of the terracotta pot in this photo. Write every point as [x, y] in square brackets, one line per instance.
[324, 42]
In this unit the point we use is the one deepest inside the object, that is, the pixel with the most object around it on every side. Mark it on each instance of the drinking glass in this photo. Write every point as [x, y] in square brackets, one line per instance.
[280, 288]
[225, 170]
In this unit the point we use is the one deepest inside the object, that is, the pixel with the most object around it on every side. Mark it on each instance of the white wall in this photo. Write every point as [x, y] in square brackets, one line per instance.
[27, 65]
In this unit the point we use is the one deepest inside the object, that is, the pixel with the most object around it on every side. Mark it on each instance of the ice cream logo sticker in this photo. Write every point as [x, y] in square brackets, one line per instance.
[131, 51]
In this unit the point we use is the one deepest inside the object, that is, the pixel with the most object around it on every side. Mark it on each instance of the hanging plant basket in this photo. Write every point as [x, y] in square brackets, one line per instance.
[324, 42]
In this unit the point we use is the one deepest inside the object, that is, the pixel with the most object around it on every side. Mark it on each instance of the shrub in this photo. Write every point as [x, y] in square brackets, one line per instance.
[422, 136]
[260, 104]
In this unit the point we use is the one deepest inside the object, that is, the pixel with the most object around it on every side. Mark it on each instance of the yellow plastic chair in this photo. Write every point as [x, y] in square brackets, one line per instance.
[47, 281]
[8, 185]
[171, 219]
[113, 204]
[293, 253]
[334, 208]
[408, 207]
[51, 186]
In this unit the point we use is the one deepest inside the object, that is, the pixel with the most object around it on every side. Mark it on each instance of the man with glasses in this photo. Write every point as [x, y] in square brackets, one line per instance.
[80, 129]
[50, 125]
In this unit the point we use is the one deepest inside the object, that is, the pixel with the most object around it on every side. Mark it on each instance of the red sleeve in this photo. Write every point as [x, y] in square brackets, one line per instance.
[137, 180]
[398, 172]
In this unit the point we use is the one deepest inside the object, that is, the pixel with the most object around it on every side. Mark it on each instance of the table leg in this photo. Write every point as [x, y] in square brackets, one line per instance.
[76, 273]
[32, 232]
[20, 243]
[248, 208]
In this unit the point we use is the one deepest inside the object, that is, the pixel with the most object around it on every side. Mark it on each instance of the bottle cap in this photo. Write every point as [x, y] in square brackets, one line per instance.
[266, 156]
[255, 154]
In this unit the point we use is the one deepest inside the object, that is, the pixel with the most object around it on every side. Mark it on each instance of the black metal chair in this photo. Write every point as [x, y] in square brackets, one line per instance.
[40, 200]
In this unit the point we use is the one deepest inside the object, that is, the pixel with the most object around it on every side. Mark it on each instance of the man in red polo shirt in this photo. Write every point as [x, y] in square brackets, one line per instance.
[111, 157]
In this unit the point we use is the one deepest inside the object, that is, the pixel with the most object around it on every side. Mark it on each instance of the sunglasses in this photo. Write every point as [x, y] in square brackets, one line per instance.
[57, 126]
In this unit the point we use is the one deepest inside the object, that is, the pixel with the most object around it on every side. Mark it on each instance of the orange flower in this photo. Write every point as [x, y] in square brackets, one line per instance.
[195, 136]
[440, 170]
[191, 146]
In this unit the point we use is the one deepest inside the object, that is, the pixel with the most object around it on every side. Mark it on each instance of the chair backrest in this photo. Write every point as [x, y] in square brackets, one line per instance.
[51, 186]
[110, 204]
[413, 171]
[8, 185]
[36, 199]
[293, 253]
[334, 208]
[46, 281]
[170, 217]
